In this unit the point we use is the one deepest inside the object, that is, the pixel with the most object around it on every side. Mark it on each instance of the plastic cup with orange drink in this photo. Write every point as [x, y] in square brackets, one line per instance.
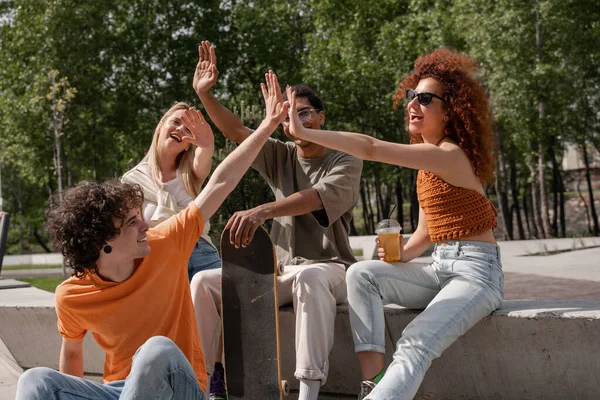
[388, 232]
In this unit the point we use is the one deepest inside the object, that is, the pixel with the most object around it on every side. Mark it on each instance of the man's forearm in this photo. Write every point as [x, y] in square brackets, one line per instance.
[300, 203]
[231, 170]
[72, 365]
[224, 119]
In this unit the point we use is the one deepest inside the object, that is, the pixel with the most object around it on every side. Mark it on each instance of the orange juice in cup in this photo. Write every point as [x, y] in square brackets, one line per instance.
[388, 232]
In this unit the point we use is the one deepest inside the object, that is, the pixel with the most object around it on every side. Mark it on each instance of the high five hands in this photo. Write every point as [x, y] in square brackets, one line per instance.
[276, 110]
[243, 224]
[199, 132]
[206, 73]
[296, 127]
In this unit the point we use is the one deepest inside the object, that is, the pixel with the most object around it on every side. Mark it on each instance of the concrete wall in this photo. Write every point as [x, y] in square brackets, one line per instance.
[525, 350]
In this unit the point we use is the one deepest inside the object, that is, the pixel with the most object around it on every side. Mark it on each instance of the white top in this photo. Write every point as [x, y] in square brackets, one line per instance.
[161, 203]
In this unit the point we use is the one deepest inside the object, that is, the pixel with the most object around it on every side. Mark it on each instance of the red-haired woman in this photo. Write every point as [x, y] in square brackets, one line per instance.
[449, 120]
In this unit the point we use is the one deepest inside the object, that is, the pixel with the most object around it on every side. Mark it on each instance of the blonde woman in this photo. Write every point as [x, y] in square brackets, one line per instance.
[171, 175]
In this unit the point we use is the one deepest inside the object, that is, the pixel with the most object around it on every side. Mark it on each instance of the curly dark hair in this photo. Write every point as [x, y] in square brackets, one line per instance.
[469, 113]
[83, 221]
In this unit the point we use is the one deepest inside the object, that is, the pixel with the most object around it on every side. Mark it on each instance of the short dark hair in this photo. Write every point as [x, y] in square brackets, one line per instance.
[82, 223]
[305, 91]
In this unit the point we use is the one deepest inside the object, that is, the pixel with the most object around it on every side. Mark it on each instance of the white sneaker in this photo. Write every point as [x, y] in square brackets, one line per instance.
[365, 388]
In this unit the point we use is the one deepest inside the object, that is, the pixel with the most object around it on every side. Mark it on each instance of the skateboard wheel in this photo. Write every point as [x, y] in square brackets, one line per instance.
[279, 269]
[285, 387]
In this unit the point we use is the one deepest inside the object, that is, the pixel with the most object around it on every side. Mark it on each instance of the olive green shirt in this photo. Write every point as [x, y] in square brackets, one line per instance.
[320, 236]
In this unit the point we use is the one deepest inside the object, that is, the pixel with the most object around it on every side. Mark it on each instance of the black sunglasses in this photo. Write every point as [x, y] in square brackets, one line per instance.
[423, 98]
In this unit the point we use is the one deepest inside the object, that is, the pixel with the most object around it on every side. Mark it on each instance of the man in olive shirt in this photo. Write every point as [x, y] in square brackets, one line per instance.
[316, 189]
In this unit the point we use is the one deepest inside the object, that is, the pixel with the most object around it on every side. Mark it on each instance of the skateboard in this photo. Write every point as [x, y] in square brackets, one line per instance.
[250, 319]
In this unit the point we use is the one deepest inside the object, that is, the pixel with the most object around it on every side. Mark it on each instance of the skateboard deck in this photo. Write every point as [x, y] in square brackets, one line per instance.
[250, 319]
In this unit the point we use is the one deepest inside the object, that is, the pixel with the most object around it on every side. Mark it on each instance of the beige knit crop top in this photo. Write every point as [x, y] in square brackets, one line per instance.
[453, 212]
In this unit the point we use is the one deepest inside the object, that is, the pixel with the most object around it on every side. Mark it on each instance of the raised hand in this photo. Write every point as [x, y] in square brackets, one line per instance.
[276, 109]
[296, 127]
[200, 134]
[206, 73]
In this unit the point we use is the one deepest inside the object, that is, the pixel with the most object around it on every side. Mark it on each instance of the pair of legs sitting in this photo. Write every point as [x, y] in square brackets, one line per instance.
[314, 290]
[159, 371]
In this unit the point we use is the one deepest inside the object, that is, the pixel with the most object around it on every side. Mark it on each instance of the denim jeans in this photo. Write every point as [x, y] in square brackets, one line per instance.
[463, 285]
[159, 371]
[204, 256]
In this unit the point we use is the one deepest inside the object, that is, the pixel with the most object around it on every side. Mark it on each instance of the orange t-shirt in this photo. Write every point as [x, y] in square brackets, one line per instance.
[155, 300]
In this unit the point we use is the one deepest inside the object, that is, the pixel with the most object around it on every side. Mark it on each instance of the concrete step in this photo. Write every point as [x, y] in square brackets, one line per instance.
[525, 350]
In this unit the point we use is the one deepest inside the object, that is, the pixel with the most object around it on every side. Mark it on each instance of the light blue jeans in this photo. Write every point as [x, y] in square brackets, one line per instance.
[204, 256]
[463, 285]
[159, 371]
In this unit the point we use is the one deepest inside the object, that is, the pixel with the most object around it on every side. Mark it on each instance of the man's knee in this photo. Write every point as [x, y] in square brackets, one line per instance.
[204, 283]
[312, 278]
[158, 351]
[36, 383]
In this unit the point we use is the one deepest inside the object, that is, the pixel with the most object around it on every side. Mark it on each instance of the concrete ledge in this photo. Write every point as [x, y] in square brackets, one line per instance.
[368, 245]
[525, 350]
[34, 259]
[30, 333]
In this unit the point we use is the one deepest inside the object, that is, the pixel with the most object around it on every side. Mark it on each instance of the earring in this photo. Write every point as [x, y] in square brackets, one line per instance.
[107, 249]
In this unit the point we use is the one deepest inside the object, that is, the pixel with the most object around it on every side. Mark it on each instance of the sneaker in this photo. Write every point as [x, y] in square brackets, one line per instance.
[217, 385]
[365, 388]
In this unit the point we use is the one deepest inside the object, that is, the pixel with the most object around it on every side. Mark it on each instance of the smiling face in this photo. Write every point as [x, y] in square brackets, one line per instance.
[171, 132]
[131, 242]
[315, 119]
[427, 120]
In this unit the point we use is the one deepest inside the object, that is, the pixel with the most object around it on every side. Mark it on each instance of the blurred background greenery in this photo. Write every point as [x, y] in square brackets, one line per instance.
[83, 85]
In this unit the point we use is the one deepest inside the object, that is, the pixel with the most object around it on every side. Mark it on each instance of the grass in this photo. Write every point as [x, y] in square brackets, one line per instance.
[30, 266]
[357, 252]
[47, 284]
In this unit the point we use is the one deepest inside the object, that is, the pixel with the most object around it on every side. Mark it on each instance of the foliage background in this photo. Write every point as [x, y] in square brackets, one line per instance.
[123, 63]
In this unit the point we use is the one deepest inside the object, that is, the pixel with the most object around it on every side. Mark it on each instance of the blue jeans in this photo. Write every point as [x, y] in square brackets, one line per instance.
[204, 256]
[159, 371]
[464, 284]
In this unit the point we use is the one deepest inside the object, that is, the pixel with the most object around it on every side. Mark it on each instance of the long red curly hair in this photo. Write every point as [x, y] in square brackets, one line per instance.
[469, 121]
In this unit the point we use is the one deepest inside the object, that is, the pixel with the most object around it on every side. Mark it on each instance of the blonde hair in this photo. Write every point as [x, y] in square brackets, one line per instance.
[185, 159]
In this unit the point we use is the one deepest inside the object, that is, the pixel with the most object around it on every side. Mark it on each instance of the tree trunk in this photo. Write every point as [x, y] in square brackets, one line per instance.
[382, 210]
[40, 240]
[399, 201]
[543, 193]
[588, 178]
[561, 197]
[370, 215]
[542, 214]
[558, 224]
[501, 189]
[515, 198]
[531, 230]
[535, 214]
[365, 207]
[414, 201]
[585, 207]
[57, 133]
[21, 213]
